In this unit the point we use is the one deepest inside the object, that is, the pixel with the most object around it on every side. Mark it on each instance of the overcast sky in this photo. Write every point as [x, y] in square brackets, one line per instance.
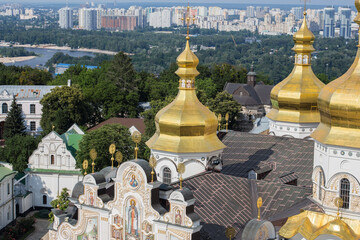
[263, 2]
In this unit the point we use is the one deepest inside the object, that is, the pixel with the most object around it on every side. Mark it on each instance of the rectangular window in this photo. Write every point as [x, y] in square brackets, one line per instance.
[8, 215]
[20, 106]
[32, 108]
[8, 188]
[32, 126]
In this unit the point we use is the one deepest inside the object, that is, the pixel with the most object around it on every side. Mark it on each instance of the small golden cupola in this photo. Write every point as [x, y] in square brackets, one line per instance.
[294, 100]
[339, 105]
[186, 130]
[186, 125]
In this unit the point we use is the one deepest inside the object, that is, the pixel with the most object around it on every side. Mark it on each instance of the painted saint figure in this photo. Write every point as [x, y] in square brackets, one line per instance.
[178, 217]
[133, 182]
[132, 217]
[91, 198]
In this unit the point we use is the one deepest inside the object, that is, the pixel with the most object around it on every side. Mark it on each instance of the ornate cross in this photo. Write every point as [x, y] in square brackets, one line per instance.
[188, 19]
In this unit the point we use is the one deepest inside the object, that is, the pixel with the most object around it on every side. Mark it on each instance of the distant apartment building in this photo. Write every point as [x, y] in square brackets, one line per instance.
[120, 23]
[329, 22]
[250, 11]
[161, 19]
[65, 18]
[345, 22]
[298, 12]
[88, 18]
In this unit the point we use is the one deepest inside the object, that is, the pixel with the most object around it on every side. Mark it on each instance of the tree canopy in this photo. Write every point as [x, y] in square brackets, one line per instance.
[62, 107]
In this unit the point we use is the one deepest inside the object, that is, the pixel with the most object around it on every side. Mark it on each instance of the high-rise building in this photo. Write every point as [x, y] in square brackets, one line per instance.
[298, 12]
[122, 23]
[88, 18]
[65, 18]
[329, 22]
[161, 19]
[250, 11]
[203, 11]
[345, 22]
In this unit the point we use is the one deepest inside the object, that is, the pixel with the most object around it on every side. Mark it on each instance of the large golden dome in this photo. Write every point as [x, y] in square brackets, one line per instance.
[339, 105]
[295, 98]
[186, 125]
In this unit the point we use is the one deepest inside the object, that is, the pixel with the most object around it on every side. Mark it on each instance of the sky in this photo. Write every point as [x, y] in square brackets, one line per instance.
[264, 2]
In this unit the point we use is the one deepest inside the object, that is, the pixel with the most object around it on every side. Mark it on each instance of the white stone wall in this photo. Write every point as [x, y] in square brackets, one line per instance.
[6, 201]
[50, 185]
[288, 129]
[195, 163]
[336, 163]
[52, 145]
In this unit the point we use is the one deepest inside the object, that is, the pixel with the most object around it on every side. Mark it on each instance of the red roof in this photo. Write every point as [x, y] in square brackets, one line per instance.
[127, 122]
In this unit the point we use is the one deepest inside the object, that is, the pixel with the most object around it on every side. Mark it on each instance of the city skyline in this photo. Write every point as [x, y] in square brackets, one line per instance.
[289, 2]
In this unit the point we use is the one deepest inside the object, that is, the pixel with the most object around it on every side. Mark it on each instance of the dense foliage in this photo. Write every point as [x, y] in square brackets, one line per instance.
[60, 57]
[154, 51]
[18, 230]
[100, 139]
[15, 52]
[63, 107]
[12, 75]
[17, 151]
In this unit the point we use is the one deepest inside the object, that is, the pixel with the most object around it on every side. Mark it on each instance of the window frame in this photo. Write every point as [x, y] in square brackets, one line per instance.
[32, 109]
[166, 175]
[344, 192]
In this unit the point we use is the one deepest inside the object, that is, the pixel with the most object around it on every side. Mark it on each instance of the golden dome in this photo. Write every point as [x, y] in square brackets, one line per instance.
[295, 98]
[186, 125]
[337, 228]
[339, 106]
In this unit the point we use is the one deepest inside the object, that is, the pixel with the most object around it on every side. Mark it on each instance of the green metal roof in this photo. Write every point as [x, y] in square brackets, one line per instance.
[4, 172]
[72, 141]
[20, 175]
[39, 170]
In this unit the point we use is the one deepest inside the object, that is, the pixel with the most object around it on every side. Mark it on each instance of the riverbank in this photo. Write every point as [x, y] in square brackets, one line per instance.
[16, 59]
[63, 48]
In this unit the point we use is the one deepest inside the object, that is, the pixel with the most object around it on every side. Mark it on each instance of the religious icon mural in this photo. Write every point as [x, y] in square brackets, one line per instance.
[91, 198]
[178, 217]
[149, 237]
[133, 182]
[116, 234]
[147, 227]
[117, 220]
[91, 231]
[132, 220]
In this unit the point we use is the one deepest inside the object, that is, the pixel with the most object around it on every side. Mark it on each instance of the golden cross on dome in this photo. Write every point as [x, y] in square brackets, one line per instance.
[305, 5]
[188, 19]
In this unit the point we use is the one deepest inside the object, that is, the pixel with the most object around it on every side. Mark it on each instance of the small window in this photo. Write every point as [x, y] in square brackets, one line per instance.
[44, 199]
[167, 175]
[8, 188]
[32, 126]
[32, 108]
[20, 106]
[52, 159]
[8, 215]
[319, 183]
[345, 192]
[4, 108]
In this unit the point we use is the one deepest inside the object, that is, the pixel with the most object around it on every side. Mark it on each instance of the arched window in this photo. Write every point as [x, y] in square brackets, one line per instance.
[167, 175]
[44, 199]
[345, 192]
[52, 159]
[4, 108]
[319, 184]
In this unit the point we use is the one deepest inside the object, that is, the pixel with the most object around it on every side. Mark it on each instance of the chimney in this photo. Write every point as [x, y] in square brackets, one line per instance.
[251, 77]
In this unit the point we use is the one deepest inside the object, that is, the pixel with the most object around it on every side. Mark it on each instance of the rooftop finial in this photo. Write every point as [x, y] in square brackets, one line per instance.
[305, 1]
[188, 19]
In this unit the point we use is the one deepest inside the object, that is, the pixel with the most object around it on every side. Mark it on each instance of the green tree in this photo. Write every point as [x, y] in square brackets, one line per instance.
[224, 103]
[63, 106]
[18, 150]
[61, 202]
[100, 139]
[14, 121]
[149, 115]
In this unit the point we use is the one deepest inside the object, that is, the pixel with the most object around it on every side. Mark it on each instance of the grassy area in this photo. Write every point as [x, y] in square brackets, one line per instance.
[42, 214]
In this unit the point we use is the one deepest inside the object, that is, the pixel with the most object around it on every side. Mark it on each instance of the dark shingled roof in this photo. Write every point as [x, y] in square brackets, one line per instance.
[258, 95]
[127, 122]
[229, 198]
[247, 151]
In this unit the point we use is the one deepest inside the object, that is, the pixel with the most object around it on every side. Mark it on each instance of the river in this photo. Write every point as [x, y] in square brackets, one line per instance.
[45, 55]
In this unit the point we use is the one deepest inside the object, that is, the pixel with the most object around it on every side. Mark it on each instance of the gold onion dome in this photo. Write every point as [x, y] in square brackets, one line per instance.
[295, 98]
[186, 125]
[339, 105]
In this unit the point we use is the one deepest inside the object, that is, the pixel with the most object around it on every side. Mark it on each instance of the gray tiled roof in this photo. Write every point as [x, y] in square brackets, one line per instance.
[258, 95]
